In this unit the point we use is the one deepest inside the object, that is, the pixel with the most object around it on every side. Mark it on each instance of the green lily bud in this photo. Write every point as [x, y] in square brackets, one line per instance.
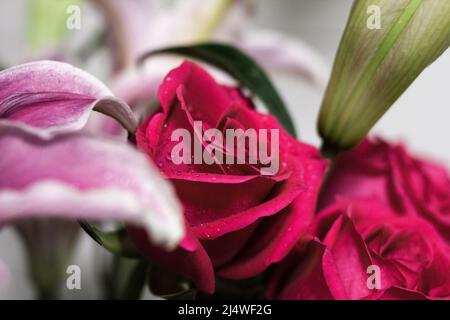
[385, 46]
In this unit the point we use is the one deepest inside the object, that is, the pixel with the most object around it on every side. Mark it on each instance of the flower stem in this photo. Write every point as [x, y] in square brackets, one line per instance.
[127, 279]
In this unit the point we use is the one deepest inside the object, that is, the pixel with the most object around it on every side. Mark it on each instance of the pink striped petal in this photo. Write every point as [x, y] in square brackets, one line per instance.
[50, 97]
[77, 176]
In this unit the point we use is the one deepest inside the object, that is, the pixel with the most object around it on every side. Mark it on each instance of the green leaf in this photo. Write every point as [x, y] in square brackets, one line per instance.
[47, 23]
[373, 67]
[127, 279]
[116, 242]
[239, 66]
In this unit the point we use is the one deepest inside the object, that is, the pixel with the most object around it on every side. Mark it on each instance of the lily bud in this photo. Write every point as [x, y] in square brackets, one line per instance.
[385, 46]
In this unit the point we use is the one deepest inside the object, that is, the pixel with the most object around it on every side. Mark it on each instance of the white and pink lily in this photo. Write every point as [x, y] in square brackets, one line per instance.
[51, 167]
[56, 161]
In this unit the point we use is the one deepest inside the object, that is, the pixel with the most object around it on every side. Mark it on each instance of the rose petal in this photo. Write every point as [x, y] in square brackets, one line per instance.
[378, 170]
[77, 176]
[189, 260]
[396, 293]
[206, 203]
[346, 264]
[195, 80]
[300, 276]
[234, 242]
[305, 163]
[277, 235]
[51, 97]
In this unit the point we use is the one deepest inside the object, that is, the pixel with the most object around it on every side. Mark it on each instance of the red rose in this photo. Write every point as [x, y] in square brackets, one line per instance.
[238, 220]
[363, 250]
[379, 171]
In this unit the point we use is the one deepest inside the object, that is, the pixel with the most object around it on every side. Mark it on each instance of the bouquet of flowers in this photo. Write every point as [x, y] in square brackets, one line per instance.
[185, 165]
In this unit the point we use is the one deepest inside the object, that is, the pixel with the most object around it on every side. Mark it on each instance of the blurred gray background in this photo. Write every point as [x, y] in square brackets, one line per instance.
[420, 118]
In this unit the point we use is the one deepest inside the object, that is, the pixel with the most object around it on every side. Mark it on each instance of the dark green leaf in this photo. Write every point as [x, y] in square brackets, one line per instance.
[116, 242]
[127, 279]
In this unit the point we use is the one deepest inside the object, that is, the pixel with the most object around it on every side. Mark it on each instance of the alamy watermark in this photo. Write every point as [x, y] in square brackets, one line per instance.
[374, 279]
[73, 281]
[73, 21]
[374, 19]
[235, 147]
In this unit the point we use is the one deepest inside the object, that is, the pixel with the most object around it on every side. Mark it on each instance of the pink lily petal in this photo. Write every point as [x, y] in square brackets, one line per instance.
[49, 97]
[77, 176]
[130, 23]
[277, 52]
[139, 85]
[142, 25]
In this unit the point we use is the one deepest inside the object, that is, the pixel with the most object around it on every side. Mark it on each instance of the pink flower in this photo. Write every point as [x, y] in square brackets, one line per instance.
[364, 250]
[238, 221]
[50, 167]
[387, 173]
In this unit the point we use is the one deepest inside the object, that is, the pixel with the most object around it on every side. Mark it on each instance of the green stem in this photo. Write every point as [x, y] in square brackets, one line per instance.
[329, 151]
[48, 245]
[214, 20]
[127, 279]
